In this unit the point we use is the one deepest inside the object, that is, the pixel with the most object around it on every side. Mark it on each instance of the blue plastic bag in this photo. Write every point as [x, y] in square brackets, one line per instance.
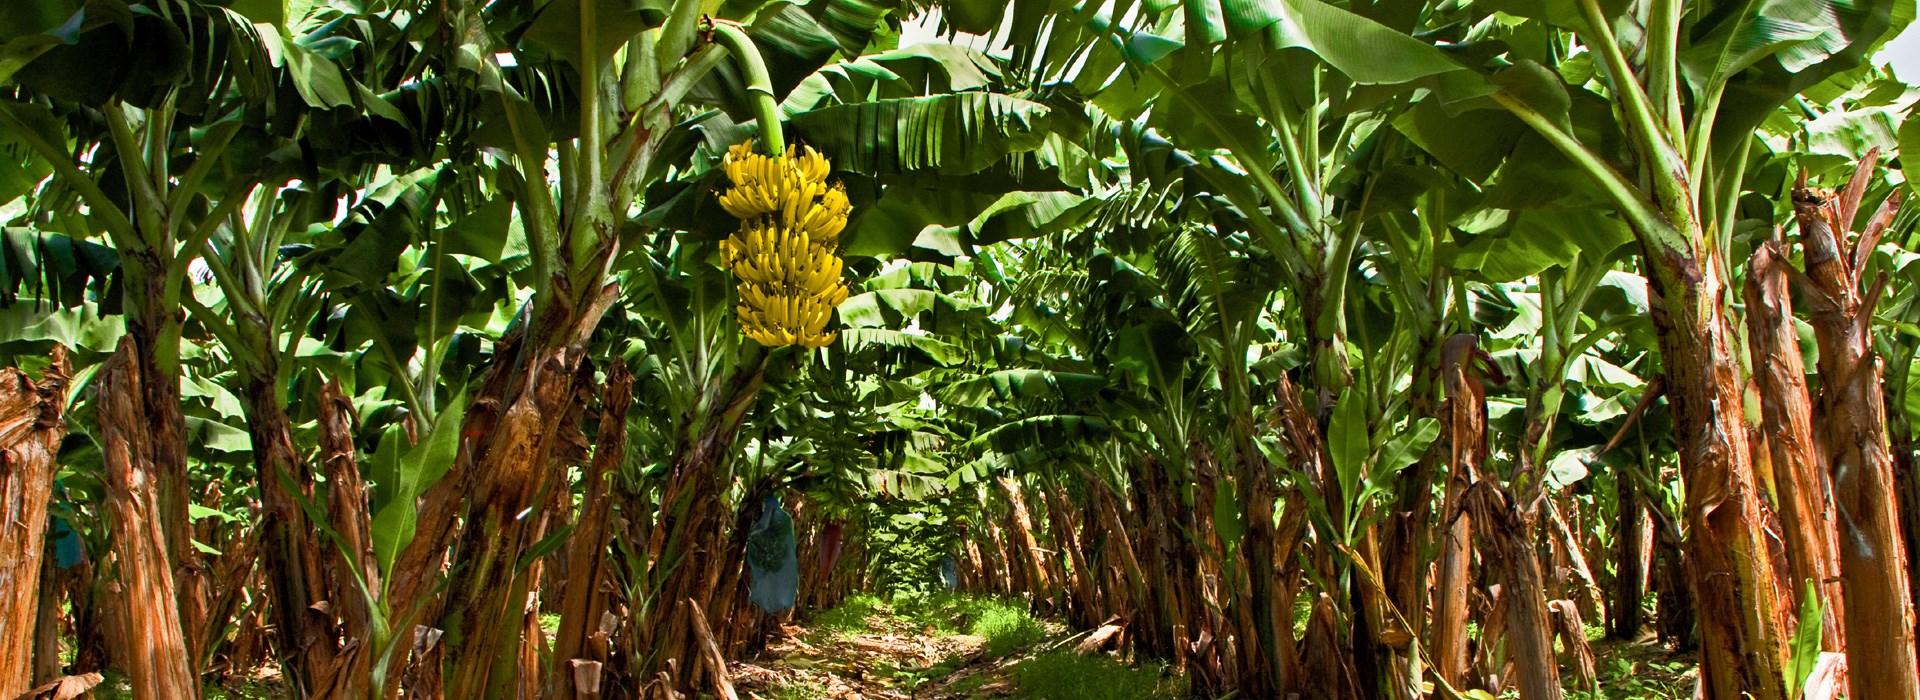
[68, 551]
[772, 559]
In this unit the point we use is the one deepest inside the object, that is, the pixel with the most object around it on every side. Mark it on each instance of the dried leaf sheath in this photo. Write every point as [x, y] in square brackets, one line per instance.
[32, 423]
[1786, 419]
[155, 654]
[1853, 423]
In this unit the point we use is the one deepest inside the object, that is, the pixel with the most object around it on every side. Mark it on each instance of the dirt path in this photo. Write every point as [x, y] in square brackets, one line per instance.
[880, 655]
[959, 648]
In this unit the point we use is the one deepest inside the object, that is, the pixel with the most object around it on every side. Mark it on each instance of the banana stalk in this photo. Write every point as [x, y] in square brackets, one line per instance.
[785, 252]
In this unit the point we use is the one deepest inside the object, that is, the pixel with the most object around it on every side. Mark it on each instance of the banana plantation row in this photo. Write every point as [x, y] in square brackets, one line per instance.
[482, 349]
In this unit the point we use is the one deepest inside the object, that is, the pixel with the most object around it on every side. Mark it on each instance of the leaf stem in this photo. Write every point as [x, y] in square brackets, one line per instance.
[1641, 214]
[1663, 65]
[1665, 167]
[759, 86]
[109, 215]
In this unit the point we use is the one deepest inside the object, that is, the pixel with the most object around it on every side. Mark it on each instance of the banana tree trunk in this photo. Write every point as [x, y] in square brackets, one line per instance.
[347, 510]
[46, 666]
[1507, 537]
[1295, 669]
[1406, 532]
[1452, 582]
[152, 646]
[416, 571]
[321, 620]
[687, 546]
[1211, 567]
[731, 606]
[239, 555]
[1202, 638]
[1463, 433]
[974, 579]
[154, 328]
[32, 424]
[1174, 583]
[487, 595]
[1509, 516]
[1367, 625]
[1572, 560]
[1730, 570]
[523, 422]
[307, 646]
[1006, 566]
[1493, 658]
[89, 617]
[1624, 614]
[1158, 639]
[1038, 582]
[583, 601]
[1322, 656]
[1262, 664]
[1084, 607]
[1786, 419]
[1909, 485]
[1743, 650]
[1881, 658]
[1119, 544]
[1674, 609]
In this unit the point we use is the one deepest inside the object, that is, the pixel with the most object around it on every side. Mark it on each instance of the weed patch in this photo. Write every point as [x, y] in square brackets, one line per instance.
[1068, 676]
[1004, 625]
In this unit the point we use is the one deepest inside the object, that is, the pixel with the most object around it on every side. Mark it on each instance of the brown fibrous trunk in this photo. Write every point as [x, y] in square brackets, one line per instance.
[1786, 418]
[1881, 657]
[152, 646]
[32, 424]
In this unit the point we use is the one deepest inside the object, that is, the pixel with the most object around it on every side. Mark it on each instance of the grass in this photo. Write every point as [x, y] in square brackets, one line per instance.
[116, 687]
[943, 613]
[1638, 671]
[1005, 626]
[850, 616]
[797, 691]
[1067, 676]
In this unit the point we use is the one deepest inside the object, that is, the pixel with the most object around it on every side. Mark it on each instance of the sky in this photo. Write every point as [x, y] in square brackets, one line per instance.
[1903, 53]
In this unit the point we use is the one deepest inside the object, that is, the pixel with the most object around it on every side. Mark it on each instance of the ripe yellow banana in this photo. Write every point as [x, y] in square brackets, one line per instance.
[783, 254]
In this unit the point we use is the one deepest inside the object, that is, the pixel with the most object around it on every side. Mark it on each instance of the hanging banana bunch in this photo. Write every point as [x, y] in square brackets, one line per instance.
[785, 251]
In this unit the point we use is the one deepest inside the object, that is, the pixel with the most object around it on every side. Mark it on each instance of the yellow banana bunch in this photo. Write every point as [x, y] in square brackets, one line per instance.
[784, 253]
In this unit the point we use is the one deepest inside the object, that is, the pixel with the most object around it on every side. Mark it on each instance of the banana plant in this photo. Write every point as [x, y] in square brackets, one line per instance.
[1676, 184]
[1294, 159]
[156, 145]
[573, 238]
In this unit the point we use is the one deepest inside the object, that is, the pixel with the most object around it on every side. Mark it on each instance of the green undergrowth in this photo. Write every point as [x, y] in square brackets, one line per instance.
[115, 686]
[1004, 625]
[850, 616]
[797, 691]
[1639, 671]
[1012, 658]
[1063, 675]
